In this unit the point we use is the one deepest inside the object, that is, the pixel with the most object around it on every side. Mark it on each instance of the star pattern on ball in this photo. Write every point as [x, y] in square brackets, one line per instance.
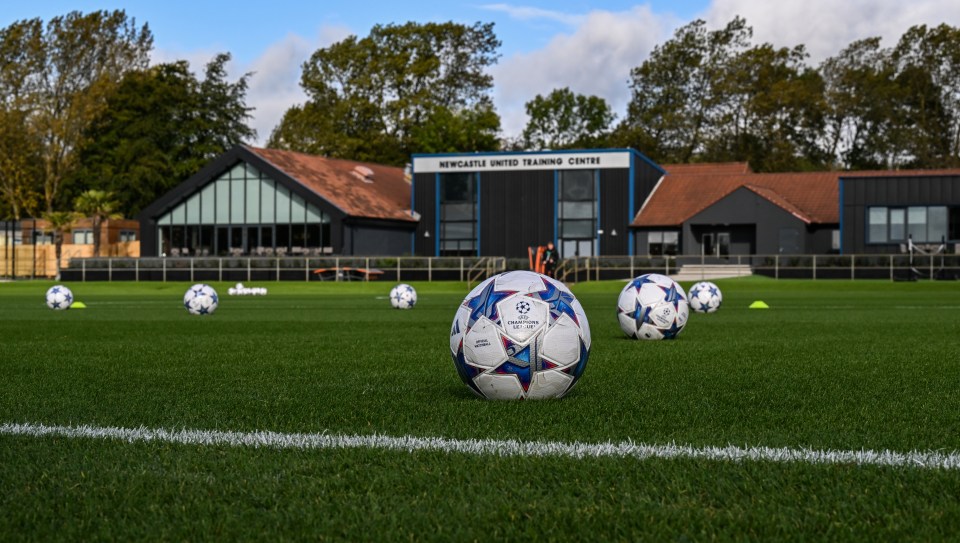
[485, 303]
[560, 302]
[519, 362]
[672, 295]
[714, 291]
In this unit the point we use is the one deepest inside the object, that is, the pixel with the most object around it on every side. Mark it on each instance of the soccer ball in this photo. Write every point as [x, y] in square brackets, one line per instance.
[59, 297]
[520, 335]
[201, 299]
[652, 306]
[403, 296]
[705, 297]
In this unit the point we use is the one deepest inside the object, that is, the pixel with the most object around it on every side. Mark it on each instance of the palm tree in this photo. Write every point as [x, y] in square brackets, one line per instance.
[60, 223]
[99, 205]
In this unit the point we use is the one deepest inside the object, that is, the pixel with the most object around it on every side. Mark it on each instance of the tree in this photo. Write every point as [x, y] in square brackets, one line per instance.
[564, 120]
[82, 56]
[369, 97]
[61, 222]
[460, 130]
[159, 127]
[99, 205]
[676, 92]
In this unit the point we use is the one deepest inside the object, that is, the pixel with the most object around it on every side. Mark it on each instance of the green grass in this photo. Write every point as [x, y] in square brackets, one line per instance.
[833, 364]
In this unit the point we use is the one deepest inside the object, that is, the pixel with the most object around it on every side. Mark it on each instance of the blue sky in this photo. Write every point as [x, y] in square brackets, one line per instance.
[589, 47]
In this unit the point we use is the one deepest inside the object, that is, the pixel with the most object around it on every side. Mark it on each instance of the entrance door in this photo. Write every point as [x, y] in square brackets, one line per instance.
[723, 244]
[707, 244]
[576, 247]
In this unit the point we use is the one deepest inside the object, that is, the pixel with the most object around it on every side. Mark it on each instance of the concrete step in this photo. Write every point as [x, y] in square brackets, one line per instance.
[705, 272]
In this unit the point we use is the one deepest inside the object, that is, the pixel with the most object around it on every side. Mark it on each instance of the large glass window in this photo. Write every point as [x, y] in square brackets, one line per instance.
[923, 224]
[937, 223]
[897, 224]
[458, 214]
[877, 225]
[663, 243]
[226, 215]
[577, 213]
[917, 224]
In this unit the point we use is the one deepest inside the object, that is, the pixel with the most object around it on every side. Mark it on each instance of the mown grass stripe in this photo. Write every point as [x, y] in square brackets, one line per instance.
[729, 453]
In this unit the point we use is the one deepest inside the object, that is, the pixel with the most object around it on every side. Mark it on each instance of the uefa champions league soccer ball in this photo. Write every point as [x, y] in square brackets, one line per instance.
[403, 296]
[520, 335]
[201, 299]
[705, 297]
[652, 306]
[59, 297]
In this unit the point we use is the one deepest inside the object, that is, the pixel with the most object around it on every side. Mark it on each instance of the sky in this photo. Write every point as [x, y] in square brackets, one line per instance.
[589, 47]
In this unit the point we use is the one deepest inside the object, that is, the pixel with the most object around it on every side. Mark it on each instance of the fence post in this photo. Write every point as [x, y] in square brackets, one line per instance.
[136, 270]
[931, 266]
[776, 266]
[278, 269]
[306, 269]
[430, 269]
[220, 269]
[248, 269]
[398, 268]
[191, 269]
[83, 270]
[336, 269]
[164, 270]
[853, 267]
[367, 275]
[891, 267]
[814, 267]
[461, 269]
[109, 270]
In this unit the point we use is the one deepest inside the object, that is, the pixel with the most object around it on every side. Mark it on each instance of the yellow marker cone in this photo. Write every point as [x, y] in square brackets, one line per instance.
[78, 305]
[759, 304]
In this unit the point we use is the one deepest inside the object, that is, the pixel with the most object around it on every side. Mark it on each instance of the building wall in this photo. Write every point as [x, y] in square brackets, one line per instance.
[857, 194]
[516, 211]
[738, 212]
[375, 240]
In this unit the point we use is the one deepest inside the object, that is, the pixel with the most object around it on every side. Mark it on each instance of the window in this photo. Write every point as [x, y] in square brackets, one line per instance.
[877, 225]
[835, 240]
[663, 243]
[128, 235]
[922, 224]
[897, 224]
[83, 237]
[458, 214]
[577, 213]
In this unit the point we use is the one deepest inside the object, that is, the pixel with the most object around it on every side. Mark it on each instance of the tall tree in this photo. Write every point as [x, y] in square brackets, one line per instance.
[160, 126]
[99, 205]
[84, 56]
[564, 120]
[369, 97]
[21, 58]
[676, 92]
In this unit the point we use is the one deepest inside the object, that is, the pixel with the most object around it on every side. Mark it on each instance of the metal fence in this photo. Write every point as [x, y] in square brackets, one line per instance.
[252, 269]
[893, 267]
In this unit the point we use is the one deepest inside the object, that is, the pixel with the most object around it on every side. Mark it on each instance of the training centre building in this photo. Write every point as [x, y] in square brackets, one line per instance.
[266, 202]
[500, 204]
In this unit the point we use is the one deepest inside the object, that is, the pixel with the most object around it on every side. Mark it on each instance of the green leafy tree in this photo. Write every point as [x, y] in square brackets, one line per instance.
[99, 205]
[61, 222]
[85, 55]
[160, 126]
[459, 130]
[368, 98]
[564, 120]
[677, 96]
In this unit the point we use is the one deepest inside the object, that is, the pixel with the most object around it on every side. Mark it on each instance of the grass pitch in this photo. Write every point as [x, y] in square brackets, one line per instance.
[831, 365]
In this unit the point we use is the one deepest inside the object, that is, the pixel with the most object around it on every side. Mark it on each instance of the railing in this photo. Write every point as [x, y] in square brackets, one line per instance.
[252, 269]
[892, 267]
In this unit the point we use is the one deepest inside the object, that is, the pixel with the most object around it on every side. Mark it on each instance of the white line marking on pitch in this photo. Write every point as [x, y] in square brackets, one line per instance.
[276, 440]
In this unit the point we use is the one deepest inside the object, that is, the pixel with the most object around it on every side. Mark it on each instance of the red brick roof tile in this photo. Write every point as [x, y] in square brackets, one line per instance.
[383, 195]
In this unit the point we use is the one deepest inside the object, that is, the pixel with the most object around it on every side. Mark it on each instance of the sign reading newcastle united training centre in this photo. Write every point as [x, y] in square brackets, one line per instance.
[520, 162]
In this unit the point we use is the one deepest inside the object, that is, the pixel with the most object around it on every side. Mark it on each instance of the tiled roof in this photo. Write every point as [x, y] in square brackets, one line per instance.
[813, 197]
[707, 168]
[383, 195]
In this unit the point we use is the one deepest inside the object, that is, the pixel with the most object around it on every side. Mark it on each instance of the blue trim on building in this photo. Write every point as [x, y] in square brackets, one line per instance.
[841, 214]
[596, 202]
[556, 209]
[477, 212]
[632, 195]
[436, 225]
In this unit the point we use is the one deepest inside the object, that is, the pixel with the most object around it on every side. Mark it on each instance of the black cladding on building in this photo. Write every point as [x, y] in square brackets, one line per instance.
[499, 204]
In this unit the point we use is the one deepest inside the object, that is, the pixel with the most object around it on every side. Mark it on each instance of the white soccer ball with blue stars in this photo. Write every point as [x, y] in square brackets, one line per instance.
[705, 297]
[403, 296]
[59, 297]
[652, 306]
[520, 335]
[201, 299]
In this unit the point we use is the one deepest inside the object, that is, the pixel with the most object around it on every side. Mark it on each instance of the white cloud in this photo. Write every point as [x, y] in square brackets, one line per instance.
[595, 59]
[827, 26]
[274, 84]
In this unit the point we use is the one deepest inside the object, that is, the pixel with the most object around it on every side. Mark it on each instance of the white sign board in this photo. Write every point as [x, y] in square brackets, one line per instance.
[521, 161]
